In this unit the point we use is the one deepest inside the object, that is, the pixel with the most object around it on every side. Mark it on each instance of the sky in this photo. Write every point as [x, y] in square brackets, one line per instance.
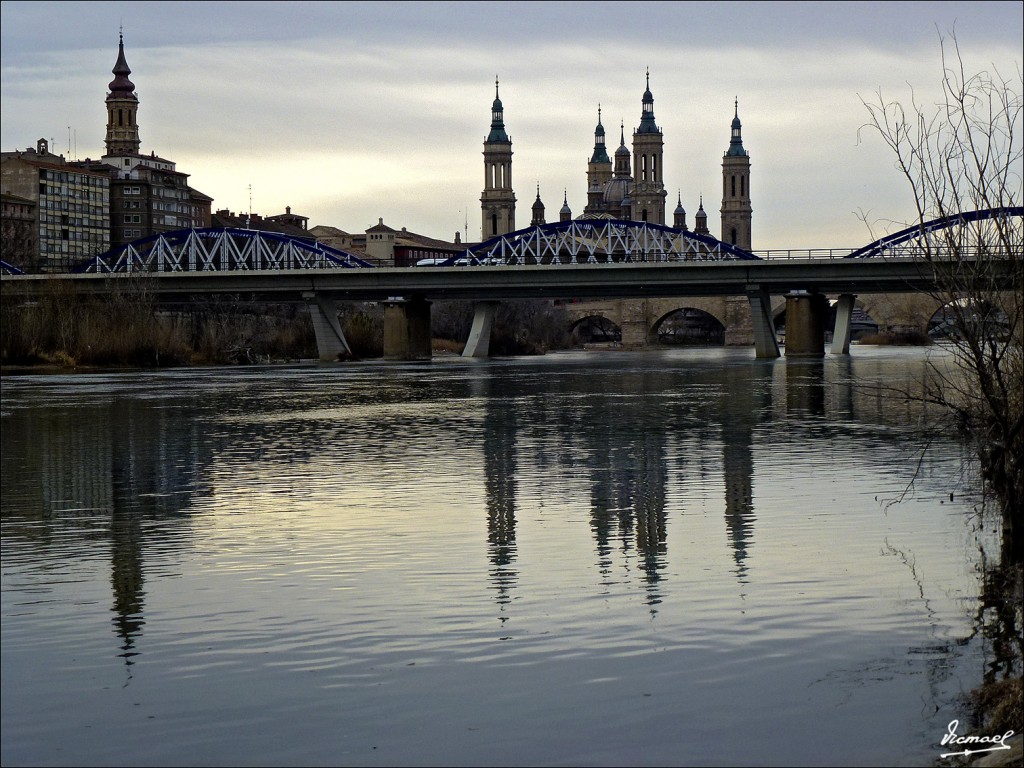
[353, 112]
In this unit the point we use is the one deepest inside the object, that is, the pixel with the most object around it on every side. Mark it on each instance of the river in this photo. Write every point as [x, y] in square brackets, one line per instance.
[673, 557]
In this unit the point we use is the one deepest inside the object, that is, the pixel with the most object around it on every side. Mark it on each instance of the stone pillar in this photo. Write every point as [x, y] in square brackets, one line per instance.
[739, 329]
[765, 344]
[636, 329]
[634, 333]
[407, 329]
[330, 339]
[842, 332]
[479, 342]
[805, 324]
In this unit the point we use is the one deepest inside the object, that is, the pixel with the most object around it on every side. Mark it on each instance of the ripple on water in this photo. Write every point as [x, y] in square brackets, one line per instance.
[568, 560]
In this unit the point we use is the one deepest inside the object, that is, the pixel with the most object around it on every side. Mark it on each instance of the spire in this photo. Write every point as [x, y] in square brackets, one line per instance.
[679, 215]
[622, 150]
[702, 219]
[600, 152]
[647, 124]
[538, 210]
[121, 83]
[497, 118]
[736, 139]
[122, 106]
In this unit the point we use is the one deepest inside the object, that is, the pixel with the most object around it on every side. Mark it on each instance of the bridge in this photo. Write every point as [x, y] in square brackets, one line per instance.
[576, 260]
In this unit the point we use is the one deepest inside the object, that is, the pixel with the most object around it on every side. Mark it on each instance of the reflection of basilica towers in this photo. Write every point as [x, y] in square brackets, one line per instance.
[736, 210]
[498, 201]
[648, 195]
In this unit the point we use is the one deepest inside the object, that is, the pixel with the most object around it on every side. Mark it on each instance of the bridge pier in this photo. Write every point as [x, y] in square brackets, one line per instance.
[407, 329]
[330, 339]
[765, 344]
[805, 324]
[843, 329]
[479, 342]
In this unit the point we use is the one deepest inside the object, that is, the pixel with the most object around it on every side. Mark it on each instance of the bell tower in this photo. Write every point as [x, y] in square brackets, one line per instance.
[498, 201]
[122, 109]
[648, 194]
[599, 170]
[736, 210]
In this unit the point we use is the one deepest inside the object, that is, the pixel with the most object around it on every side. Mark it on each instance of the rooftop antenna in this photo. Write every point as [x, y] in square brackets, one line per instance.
[465, 224]
[248, 216]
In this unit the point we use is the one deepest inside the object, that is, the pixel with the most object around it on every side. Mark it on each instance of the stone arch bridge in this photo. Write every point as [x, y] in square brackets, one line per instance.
[639, 320]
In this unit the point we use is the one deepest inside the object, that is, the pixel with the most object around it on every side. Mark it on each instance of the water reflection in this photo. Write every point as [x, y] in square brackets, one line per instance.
[328, 548]
[499, 460]
[127, 462]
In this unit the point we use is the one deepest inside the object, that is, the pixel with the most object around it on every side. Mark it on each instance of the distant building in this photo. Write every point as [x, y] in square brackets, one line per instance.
[629, 186]
[498, 200]
[148, 195]
[287, 223]
[70, 206]
[19, 234]
[290, 219]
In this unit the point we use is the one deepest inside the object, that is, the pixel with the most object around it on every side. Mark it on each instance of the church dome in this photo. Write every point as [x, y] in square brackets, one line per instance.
[617, 190]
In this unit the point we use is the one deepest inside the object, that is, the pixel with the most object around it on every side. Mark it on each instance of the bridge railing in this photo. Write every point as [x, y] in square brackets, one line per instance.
[803, 254]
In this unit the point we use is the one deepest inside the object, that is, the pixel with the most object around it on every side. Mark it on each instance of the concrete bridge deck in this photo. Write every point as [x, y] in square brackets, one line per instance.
[553, 281]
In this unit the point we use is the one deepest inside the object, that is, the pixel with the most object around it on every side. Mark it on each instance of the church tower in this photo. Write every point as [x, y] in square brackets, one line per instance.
[736, 210]
[701, 227]
[498, 201]
[538, 211]
[679, 216]
[599, 170]
[122, 109]
[648, 193]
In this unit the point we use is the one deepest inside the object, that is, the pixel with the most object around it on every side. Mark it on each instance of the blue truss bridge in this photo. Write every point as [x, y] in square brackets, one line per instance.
[578, 242]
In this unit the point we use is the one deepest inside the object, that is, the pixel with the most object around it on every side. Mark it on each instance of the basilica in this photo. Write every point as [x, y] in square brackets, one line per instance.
[630, 188]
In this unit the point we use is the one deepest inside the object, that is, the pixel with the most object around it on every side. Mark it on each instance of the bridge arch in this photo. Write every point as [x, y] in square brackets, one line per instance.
[597, 241]
[985, 317]
[933, 237]
[215, 249]
[595, 329]
[689, 325]
[901, 314]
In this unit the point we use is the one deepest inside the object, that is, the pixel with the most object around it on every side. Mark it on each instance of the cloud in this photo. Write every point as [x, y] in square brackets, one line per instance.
[352, 112]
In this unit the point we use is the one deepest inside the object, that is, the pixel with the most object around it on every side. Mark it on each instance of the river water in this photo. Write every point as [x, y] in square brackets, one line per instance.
[675, 557]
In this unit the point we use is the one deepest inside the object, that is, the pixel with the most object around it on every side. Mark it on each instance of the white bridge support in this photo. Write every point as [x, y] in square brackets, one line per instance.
[479, 342]
[841, 333]
[765, 344]
[330, 339]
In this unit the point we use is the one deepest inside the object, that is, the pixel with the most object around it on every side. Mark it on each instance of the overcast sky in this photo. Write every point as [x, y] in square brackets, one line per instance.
[349, 112]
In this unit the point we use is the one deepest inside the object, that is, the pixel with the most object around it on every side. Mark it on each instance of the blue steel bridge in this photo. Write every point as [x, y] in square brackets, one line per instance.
[582, 241]
[580, 259]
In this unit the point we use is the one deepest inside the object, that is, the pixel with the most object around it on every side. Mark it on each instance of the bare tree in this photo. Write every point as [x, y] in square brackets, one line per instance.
[960, 156]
